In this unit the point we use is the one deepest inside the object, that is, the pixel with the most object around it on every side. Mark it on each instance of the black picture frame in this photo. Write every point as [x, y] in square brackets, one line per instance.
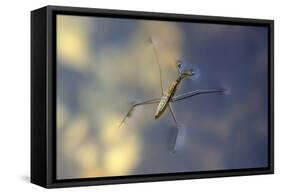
[43, 96]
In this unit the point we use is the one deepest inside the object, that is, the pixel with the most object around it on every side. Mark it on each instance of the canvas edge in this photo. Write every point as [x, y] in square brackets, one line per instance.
[38, 157]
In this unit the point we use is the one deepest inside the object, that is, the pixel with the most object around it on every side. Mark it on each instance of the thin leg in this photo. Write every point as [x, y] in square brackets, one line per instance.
[152, 101]
[195, 93]
[173, 115]
[159, 67]
[177, 126]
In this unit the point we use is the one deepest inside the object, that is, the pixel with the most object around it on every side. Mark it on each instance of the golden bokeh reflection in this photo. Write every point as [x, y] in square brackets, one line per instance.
[111, 133]
[121, 158]
[72, 42]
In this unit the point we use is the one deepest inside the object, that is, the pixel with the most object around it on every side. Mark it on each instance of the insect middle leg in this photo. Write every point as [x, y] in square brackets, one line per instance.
[195, 93]
[133, 106]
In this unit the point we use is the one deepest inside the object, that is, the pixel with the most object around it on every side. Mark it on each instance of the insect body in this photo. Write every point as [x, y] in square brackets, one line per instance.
[165, 100]
[169, 94]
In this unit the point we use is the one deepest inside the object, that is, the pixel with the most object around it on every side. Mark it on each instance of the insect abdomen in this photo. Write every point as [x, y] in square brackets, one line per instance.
[165, 99]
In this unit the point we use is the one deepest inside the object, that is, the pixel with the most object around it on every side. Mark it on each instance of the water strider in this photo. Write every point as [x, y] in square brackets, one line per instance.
[168, 96]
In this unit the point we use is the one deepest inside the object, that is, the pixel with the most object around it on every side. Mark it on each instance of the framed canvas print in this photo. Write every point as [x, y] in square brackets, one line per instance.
[125, 96]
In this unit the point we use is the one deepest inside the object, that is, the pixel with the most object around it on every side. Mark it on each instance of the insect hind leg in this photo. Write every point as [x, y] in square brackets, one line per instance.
[177, 139]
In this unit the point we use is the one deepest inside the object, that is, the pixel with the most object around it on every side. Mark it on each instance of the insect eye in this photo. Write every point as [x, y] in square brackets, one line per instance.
[179, 64]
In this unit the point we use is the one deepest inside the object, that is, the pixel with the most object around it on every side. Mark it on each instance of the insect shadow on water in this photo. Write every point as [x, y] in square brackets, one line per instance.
[177, 138]
[168, 97]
